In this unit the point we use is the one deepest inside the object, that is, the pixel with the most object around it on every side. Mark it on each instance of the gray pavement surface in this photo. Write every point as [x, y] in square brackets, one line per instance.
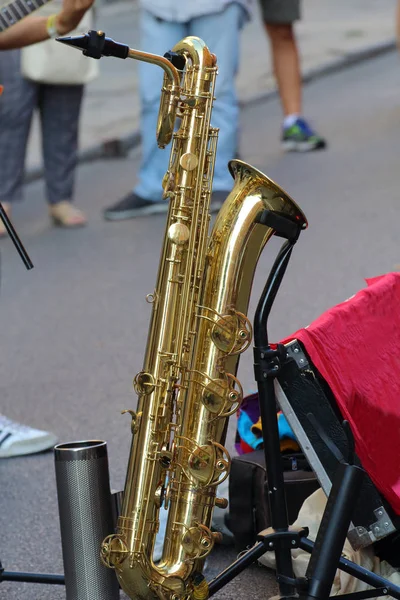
[330, 35]
[74, 328]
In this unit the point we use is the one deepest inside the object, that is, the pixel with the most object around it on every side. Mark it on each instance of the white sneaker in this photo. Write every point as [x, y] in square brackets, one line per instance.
[17, 439]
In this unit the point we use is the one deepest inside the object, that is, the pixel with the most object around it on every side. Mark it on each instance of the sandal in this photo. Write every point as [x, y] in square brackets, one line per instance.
[65, 214]
[7, 210]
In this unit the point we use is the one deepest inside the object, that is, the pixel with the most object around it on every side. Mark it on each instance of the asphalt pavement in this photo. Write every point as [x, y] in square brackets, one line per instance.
[74, 328]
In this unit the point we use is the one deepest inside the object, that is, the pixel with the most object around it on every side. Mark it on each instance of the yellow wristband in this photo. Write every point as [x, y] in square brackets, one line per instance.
[51, 26]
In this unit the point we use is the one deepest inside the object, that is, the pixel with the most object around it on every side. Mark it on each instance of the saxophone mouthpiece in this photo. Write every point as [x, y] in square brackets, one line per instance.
[95, 44]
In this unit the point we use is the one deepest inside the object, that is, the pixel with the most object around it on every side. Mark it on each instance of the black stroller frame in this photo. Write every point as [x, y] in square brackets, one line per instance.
[326, 551]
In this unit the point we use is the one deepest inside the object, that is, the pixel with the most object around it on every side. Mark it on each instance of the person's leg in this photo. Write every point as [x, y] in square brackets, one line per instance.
[157, 37]
[221, 33]
[286, 64]
[279, 18]
[17, 104]
[59, 111]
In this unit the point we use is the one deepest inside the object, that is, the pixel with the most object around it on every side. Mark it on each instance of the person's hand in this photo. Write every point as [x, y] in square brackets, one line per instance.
[398, 25]
[71, 14]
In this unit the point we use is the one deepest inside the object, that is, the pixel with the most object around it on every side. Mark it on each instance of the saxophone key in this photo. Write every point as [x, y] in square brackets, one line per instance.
[165, 459]
[135, 419]
[221, 398]
[178, 233]
[221, 502]
[188, 161]
[209, 464]
[113, 551]
[144, 383]
[232, 333]
[198, 541]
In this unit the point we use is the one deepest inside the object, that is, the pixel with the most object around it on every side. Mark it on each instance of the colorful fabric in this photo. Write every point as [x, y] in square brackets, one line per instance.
[249, 428]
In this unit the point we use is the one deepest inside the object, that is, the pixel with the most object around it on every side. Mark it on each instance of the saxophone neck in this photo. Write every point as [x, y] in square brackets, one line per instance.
[195, 63]
[174, 62]
[191, 49]
[171, 71]
[197, 51]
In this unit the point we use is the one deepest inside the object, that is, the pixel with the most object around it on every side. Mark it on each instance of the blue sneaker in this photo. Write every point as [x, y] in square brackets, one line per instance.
[299, 137]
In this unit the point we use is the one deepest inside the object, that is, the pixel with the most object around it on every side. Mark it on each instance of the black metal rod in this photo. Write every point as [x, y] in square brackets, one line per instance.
[267, 402]
[33, 577]
[276, 489]
[266, 394]
[374, 593]
[273, 459]
[356, 571]
[333, 530]
[15, 238]
[269, 293]
[236, 568]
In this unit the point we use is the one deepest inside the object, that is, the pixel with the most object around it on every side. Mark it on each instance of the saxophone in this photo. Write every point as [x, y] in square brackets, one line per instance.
[188, 388]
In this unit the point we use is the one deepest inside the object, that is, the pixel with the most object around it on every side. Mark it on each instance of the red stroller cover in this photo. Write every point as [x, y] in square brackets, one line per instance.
[356, 348]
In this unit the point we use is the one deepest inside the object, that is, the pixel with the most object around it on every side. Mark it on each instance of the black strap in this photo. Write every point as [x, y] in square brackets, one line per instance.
[325, 438]
[282, 225]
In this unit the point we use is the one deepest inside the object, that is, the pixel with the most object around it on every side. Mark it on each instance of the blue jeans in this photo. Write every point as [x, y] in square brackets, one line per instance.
[220, 31]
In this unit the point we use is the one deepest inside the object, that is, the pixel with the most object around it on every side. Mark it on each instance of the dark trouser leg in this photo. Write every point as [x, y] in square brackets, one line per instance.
[60, 109]
[16, 108]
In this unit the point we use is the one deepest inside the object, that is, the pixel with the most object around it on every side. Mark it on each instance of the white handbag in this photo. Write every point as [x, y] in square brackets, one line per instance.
[55, 63]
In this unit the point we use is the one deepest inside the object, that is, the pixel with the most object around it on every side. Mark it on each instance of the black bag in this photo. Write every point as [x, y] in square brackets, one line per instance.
[248, 487]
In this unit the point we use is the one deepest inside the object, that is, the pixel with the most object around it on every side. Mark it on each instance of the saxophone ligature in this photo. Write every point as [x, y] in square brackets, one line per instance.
[188, 387]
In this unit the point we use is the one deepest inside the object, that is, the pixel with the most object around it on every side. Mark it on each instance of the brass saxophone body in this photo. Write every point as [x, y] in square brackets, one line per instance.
[188, 388]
